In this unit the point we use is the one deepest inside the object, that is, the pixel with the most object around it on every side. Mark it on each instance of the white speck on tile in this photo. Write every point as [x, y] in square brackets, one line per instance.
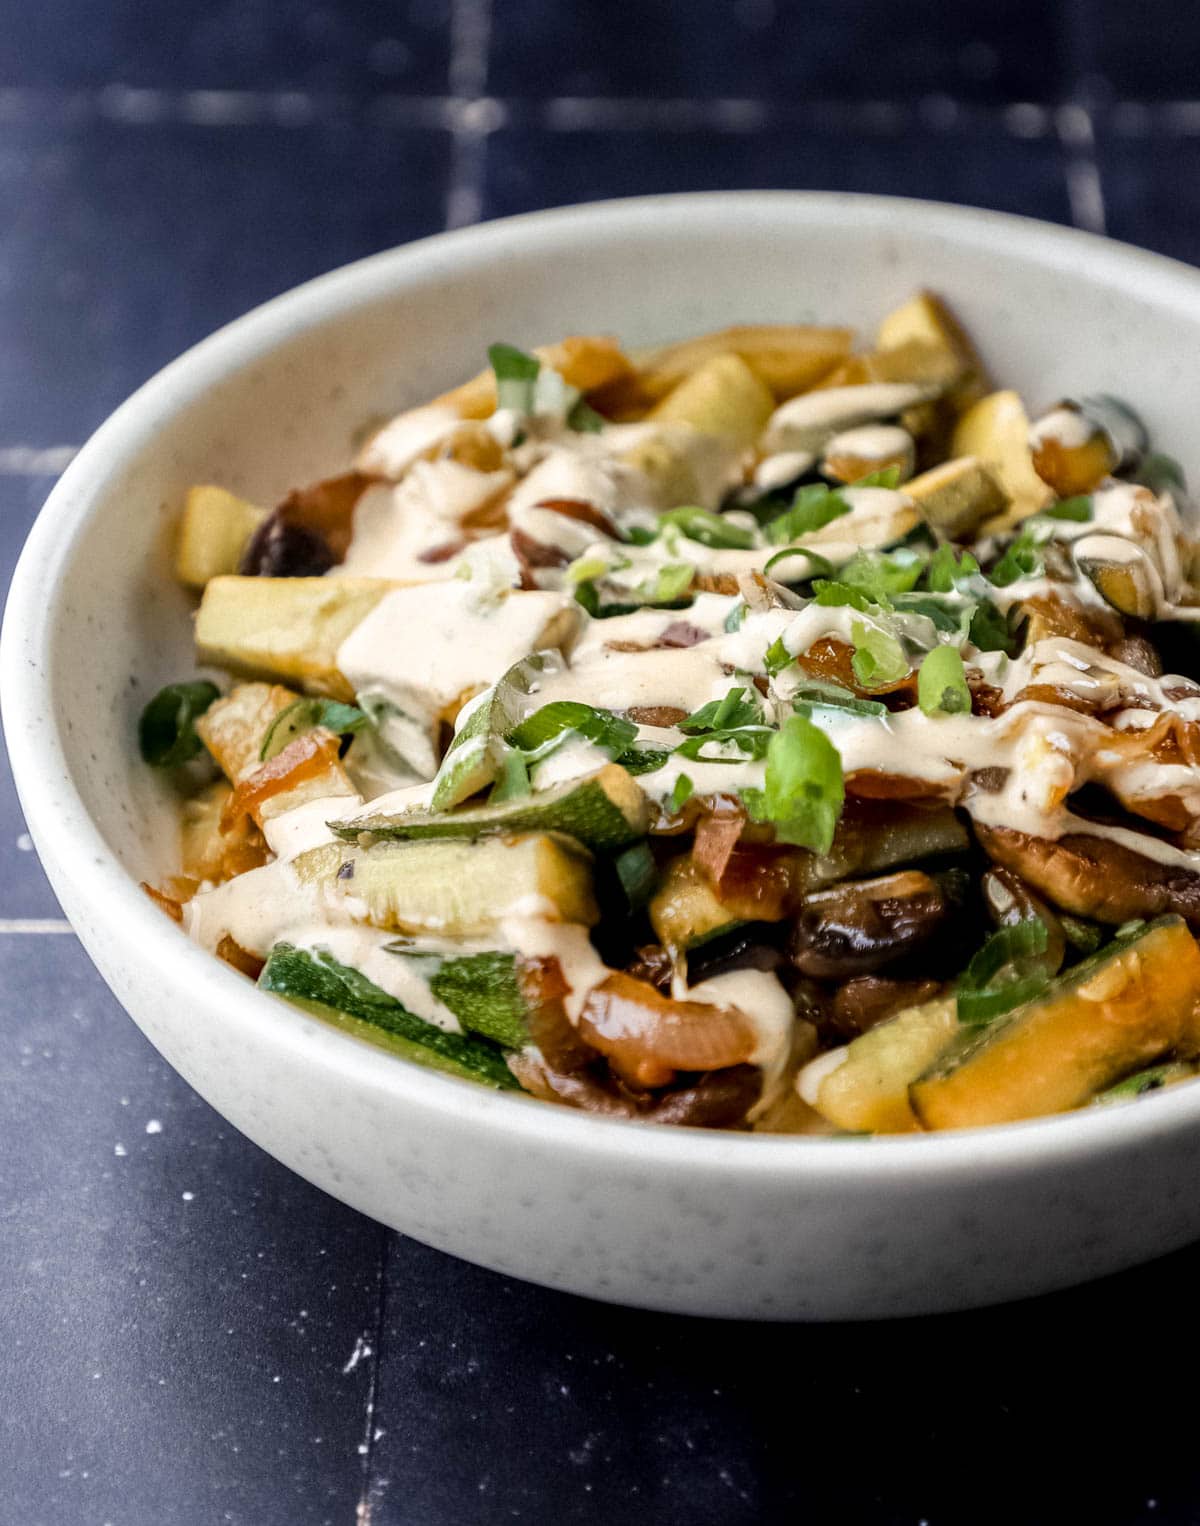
[153, 1126]
[24, 843]
[124, 1101]
[377, 1434]
[361, 1351]
[275, 1379]
[187, 1196]
[119, 1150]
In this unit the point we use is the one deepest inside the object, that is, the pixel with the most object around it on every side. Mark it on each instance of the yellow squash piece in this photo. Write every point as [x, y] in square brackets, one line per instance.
[1111, 1015]
[213, 533]
[724, 397]
[285, 628]
[925, 327]
[789, 358]
[996, 431]
[958, 496]
[868, 1089]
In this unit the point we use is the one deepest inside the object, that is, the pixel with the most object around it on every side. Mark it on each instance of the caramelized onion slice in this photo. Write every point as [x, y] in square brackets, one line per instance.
[646, 1037]
[305, 757]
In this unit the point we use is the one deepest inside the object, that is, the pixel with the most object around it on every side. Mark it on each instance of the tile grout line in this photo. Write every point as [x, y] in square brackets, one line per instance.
[476, 115]
[1085, 192]
[35, 460]
[16, 926]
[466, 109]
[362, 1514]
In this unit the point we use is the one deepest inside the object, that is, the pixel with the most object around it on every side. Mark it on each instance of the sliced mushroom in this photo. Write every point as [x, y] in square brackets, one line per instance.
[867, 1000]
[858, 927]
[1092, 876]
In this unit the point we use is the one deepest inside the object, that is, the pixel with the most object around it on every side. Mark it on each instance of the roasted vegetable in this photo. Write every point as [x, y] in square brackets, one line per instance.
[1132, 1002]
[456, 888]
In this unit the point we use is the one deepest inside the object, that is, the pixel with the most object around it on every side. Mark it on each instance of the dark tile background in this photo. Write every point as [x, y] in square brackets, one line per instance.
[189, 1334]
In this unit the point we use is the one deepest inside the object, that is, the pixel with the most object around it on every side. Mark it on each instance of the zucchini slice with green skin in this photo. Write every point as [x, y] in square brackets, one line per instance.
[475, 757]
[484, 991]
[868, 1089]
[1126, 1006]
[316, 982]
[459, 889]
[603, 810]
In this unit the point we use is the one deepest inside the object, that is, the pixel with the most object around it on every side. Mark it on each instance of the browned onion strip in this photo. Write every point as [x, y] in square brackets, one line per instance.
[646, 1037]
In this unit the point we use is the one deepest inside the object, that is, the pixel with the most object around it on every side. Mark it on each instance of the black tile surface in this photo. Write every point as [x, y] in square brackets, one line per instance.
[977, 163]
[167, 164]
[1146, 51]
[1152, 190]
[124, 243]
[189, 1328]
[778, 49]
[499, 1402]
[226, 44]
[24, 889]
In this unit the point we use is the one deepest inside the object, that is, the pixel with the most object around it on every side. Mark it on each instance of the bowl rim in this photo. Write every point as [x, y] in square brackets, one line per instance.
[65, 834]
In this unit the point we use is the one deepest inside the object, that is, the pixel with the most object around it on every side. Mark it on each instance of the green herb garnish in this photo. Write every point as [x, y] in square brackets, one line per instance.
[880, 574]
[680, 795]
[720, 714]
[1077, 510]
[812, 508]
[817, 566]
[998, 978]
[878, 656]
[1021, 560]
[516, 377]
[551, 722]
[816, 693]
[776, 658]
[888, 476]
[803, 789]
[167, 728]
[305, 715]
[946, 570]
[637, 872]
[709, 529]
[942, 684]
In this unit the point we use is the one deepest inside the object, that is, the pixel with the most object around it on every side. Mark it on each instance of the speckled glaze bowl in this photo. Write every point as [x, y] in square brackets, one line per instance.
[664, 1218]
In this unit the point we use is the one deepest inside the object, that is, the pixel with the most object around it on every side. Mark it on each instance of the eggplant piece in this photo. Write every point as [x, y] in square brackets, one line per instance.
[1091, 876]
[858, 927]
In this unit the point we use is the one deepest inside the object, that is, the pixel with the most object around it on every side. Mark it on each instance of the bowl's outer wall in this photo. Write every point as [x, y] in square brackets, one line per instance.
[278, 400]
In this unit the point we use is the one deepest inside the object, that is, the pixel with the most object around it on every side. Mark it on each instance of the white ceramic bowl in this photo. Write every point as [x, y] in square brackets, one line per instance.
[669, 1219]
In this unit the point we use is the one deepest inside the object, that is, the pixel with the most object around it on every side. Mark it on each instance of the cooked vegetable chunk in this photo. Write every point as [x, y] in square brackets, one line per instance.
[285, 628]
[459, 888]
[606, 810]
[1125, 1006]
